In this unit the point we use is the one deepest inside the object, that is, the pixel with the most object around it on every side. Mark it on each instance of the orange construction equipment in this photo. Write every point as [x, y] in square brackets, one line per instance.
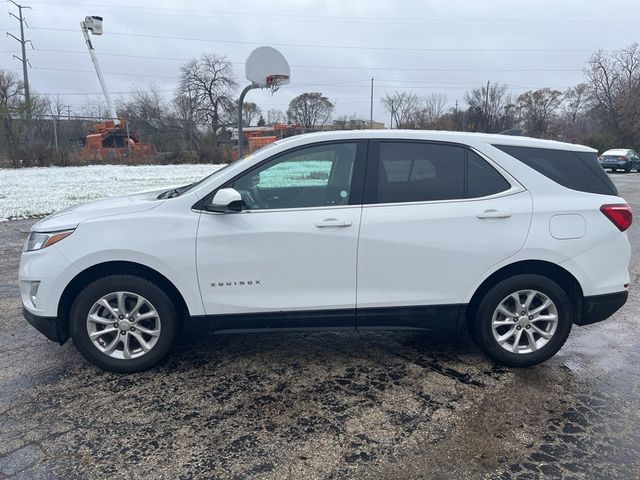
[108, 141]
[258, 142]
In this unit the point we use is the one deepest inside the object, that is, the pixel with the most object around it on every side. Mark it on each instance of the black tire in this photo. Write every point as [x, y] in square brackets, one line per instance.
[627, 169]
[481, 329]
[128, 283]
[614, 170]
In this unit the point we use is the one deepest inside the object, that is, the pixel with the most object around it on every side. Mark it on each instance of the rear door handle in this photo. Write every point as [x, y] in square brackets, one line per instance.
[493, 213]
[333, 222]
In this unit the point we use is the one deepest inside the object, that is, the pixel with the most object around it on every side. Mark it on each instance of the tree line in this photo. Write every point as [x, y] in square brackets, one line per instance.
[602, 111]
[194, 125]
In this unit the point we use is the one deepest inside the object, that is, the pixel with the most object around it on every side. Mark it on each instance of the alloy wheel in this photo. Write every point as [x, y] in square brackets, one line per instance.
[524, 321]
[123, 325]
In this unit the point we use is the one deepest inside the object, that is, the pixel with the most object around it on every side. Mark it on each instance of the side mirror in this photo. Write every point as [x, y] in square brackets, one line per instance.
[226, 200]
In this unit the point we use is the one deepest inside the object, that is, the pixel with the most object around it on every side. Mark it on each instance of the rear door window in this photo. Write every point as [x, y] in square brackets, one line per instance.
[419, 172]
[575, 170]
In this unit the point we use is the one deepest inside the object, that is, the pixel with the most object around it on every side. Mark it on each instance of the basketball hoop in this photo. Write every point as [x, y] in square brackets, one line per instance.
[274, 82]
[265, 67]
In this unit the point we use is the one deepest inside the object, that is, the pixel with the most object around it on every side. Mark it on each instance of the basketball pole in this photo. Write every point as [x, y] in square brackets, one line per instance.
[240, 102]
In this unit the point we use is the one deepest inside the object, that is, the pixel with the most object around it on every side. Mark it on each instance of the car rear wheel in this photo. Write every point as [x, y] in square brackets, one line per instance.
[627, 169]
[123, 323]
[523, 320]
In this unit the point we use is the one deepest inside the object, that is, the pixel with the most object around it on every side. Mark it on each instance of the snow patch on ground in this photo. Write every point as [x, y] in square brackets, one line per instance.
[34, 192]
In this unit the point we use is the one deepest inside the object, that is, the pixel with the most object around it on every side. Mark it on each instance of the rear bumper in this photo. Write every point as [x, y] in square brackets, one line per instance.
[50, 327]
[615, 164]
[597, 308]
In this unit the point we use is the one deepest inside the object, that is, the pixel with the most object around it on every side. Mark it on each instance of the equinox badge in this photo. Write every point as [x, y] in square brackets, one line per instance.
[240, 283]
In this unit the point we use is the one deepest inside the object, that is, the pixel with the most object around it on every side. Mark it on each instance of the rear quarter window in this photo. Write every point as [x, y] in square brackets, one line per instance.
[575, 170]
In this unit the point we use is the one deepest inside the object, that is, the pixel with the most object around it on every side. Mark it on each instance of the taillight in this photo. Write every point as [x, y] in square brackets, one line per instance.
[619, 213]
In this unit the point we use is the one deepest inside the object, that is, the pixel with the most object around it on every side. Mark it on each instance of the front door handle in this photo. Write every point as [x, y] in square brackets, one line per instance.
[493, 213]
[333, 222]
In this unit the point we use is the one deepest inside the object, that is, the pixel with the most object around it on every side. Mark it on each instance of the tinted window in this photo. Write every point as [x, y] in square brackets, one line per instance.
[310, 177]
[482, 178]
[576, 170]
[417, 172]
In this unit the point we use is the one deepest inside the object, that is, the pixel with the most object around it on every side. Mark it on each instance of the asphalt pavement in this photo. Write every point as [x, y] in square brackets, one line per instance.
[380, 405]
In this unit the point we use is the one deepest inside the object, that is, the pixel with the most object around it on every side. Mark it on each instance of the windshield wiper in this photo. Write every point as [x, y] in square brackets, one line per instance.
[174, 192]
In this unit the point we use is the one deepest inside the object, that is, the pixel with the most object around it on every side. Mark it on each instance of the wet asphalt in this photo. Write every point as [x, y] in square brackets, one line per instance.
[379, 405]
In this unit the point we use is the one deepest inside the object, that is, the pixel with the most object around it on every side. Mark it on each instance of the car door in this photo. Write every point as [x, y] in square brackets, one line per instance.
[435, 217]
[288, 259]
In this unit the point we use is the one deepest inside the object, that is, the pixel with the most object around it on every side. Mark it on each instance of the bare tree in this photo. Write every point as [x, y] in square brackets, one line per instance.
[275, 116]
[209, 82]
[145, 104]
[614, 81]
[430, 111]
[310, 110]
[434, 107]
[537, 108]
[402, 106]
[94, 108]
[486, 104]
[11, 98]
[576, 100]
[250, 111]
[11, 91]
[185, 109]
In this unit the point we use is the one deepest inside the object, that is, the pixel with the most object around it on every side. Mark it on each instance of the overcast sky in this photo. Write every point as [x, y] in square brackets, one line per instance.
[334, 47]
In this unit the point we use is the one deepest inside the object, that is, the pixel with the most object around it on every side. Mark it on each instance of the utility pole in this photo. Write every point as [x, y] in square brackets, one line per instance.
[24, 60]
[68, 112]
[486, 108]
[455, 115]
[391, 119]
[371, 112]
[55, 132]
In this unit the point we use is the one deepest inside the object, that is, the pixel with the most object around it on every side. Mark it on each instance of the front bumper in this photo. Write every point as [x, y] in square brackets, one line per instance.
[50, 327]
[597, 308]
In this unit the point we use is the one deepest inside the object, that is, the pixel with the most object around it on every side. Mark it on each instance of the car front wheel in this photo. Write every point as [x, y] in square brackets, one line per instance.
[523, 320]
[123, 323]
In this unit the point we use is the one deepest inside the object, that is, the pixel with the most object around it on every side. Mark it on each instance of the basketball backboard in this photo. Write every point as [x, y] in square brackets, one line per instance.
[266, 67]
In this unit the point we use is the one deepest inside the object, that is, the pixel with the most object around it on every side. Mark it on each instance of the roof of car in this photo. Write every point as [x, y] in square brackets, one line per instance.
[617, 151]
[436, 135]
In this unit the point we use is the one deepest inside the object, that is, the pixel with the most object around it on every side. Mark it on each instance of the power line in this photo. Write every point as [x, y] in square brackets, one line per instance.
[338, 67]
[337, 83]
[349, 19]
[340, 47]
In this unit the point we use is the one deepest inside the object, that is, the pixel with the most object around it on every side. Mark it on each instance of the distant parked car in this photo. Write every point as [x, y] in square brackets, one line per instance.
[620, 159]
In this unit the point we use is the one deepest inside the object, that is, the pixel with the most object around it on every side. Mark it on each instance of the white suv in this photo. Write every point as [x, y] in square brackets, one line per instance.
[353, 230]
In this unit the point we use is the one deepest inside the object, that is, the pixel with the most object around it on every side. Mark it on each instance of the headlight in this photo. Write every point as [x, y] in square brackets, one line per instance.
[38, 240]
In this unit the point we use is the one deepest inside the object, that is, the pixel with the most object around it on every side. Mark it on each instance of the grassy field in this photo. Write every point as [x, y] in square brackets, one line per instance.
[34, 192]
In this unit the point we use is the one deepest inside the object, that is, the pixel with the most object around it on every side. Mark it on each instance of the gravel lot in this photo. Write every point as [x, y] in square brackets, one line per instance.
[321, 405]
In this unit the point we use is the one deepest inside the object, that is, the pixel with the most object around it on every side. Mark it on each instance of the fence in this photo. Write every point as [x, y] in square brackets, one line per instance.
[48, 140]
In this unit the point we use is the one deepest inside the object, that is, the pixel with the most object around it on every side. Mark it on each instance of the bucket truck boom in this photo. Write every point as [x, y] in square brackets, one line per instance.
[93, 24]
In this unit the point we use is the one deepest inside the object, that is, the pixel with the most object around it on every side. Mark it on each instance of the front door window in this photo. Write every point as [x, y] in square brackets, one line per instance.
[318, 176]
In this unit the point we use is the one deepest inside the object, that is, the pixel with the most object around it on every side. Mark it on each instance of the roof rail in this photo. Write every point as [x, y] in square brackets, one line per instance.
[515, 132]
